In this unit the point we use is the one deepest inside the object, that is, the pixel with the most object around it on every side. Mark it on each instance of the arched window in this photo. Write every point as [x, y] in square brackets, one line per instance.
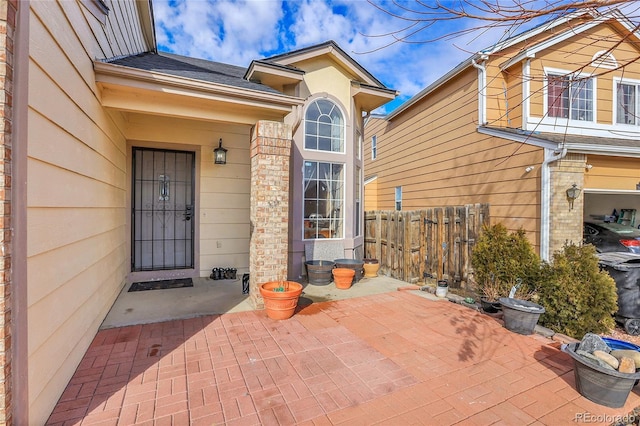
[324, 127]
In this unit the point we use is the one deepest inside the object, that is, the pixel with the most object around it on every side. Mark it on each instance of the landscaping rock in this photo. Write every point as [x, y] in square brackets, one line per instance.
[627, 365]
[594, 359]
[609, 359]
[592, 342]
[627, 353]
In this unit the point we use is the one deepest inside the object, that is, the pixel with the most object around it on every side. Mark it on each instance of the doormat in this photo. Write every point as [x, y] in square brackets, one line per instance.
[161, 285]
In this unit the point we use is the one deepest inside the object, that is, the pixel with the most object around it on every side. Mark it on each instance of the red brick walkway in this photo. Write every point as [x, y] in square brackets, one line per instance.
[394, 358]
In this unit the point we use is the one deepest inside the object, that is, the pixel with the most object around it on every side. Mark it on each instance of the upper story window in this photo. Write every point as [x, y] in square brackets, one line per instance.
[374, 147]
[570, 97]
[324, 127]
[627, 95]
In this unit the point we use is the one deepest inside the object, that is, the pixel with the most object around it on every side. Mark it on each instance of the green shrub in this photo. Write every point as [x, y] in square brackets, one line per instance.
[500, 258]
[577, 296]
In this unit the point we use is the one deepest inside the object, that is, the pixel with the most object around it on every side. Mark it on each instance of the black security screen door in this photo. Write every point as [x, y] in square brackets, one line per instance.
[162, 209]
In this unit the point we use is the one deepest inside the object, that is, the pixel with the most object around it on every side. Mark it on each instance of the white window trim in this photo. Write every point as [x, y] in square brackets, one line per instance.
[557, 121]
[616, 81]
[396, 199]
[344, 128]
[344, 199]
[374, 147]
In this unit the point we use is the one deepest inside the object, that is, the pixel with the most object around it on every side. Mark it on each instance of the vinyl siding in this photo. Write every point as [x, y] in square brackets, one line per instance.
[617, 173]
[76, 197]
[433, 150]
[581, 49]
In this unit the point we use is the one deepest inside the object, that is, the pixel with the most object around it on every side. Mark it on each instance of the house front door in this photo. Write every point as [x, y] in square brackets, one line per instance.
[162, 209]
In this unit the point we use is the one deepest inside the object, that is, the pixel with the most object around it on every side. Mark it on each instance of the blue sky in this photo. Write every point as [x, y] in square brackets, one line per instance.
[239, 31]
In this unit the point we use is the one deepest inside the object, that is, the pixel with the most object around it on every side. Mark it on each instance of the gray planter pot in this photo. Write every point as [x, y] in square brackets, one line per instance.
[520, 316]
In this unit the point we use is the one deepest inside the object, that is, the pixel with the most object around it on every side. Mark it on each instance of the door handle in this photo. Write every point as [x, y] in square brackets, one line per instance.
[188, 212]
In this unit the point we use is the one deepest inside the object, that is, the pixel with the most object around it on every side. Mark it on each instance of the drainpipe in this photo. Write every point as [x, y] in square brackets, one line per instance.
[482, 87]
[545, 202]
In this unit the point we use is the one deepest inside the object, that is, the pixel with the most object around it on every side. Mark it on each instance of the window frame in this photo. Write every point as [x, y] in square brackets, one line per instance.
[342, 127]
[374, 147]
[629, 82]
[573, 80]
[319, 226]
[398, 198]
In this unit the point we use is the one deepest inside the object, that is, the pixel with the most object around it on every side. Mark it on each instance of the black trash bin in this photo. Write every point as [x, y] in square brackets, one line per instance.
[624, 268]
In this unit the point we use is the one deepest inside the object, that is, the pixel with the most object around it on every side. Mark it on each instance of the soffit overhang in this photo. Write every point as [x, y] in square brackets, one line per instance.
[142, 91]
[273, 75]
[370, 97]
[577, 144]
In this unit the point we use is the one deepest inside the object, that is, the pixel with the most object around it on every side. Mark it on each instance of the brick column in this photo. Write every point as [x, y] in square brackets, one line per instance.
[8, 10]
[268, 252]
[565, 223]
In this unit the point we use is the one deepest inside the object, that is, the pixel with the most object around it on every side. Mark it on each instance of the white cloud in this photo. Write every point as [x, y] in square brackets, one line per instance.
[239, 31]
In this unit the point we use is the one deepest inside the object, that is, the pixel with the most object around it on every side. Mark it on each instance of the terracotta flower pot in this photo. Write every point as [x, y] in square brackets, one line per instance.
[343, 277]
[371, 267]
[280, 298]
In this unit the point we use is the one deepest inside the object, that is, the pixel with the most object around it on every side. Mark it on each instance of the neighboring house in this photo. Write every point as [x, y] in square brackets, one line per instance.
[516, 126]
[109, 174]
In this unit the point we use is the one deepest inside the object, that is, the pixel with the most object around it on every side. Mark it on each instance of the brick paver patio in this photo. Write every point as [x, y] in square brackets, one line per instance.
[394, 358]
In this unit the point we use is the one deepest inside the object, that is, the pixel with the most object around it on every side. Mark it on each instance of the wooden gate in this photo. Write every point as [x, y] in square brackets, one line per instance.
[432, 243]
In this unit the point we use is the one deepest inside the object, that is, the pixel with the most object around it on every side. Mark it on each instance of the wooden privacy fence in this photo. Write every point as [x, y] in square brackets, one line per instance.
[431, 243]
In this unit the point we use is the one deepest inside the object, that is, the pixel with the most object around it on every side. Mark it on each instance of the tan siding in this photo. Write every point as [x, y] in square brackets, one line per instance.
[513, 116]
[581, 49]
[371, 196]
[76, 197]
[612, 173]
[438, 157]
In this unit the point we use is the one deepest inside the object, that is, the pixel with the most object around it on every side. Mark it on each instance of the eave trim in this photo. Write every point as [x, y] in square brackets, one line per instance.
[161, 79]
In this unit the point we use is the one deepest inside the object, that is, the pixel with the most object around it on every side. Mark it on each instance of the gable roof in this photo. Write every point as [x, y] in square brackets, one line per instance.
[596, 19]
[329, 48]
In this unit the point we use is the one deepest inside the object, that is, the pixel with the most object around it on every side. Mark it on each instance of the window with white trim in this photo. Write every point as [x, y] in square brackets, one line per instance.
[398, 198]
[323, 199]
[374, 147]
[627, 95]
[570, 97]
[324, 127]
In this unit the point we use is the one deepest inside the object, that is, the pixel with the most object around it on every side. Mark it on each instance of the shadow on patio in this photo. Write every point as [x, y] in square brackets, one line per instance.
[391, 358]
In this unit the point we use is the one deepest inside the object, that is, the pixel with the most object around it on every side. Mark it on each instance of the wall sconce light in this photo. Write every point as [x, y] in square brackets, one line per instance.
[220, 154]
[529, 169]
[572, 195]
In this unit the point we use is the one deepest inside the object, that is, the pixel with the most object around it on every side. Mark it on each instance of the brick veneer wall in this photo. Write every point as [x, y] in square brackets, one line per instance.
[8, 10]
[268, 252]
[566, 222]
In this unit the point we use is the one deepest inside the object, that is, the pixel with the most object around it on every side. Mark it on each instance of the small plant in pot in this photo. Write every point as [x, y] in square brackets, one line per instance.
[490, 292]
